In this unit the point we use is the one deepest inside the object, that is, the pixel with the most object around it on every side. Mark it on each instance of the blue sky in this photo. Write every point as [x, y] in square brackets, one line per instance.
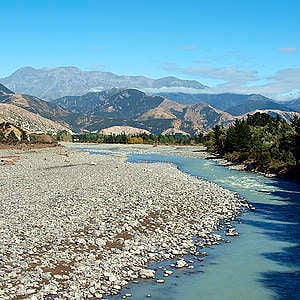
[230, 45]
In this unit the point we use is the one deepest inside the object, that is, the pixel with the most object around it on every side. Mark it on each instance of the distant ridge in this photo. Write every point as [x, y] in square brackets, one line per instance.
[235, 104]
[256, 104]
[53, 83]
[131, 107]
[292, 104]
[121, 110]
[222, 101]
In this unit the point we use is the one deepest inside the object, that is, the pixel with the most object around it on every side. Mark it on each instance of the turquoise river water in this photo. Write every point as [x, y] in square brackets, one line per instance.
[261, 263]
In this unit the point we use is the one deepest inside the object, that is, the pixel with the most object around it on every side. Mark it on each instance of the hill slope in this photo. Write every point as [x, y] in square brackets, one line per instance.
[5, 90]
[34, 105]
[219, 101]
[29, 121]
[134, 108]
[201, 117]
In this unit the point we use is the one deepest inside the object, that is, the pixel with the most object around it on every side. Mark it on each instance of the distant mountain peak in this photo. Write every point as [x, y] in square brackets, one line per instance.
[53, 83]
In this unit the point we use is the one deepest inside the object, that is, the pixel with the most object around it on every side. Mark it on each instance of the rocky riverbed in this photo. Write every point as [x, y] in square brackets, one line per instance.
[76, 226]
[196, 151]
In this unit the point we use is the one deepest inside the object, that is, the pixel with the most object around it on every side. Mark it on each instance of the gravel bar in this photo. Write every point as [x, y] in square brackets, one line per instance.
[75, 225]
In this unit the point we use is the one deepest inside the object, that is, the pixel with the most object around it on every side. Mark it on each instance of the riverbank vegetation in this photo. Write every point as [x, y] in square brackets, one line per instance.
[13, 137]
[261, 142]
[138, 139]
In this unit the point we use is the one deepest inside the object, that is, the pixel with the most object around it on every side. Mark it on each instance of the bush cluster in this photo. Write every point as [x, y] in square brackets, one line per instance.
[269, 144]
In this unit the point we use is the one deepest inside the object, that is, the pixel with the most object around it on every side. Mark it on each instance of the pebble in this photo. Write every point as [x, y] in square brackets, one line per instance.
[160, 281]
[89, 224]
[181, 263]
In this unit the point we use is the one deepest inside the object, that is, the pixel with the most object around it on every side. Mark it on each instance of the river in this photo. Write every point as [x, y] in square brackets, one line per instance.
[261, 263]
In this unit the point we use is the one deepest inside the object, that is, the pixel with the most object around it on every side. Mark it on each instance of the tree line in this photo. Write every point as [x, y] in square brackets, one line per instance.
[262, 142]
[138, 139]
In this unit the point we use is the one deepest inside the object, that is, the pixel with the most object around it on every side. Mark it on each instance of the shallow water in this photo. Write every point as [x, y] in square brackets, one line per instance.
[262, 263]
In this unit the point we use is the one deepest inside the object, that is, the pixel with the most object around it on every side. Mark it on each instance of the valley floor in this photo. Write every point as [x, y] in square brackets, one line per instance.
[75, 225]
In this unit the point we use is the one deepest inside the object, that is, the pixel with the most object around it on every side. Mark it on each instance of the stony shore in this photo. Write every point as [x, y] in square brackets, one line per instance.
[79, 226]
[187, 151]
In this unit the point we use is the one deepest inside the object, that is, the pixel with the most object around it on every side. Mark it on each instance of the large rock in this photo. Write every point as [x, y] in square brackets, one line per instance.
[181, 263]
[147, 273]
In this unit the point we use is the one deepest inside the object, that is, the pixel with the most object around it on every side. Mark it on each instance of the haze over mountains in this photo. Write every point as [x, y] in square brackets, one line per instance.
[95, 111]
[235, 104]
[53, 83]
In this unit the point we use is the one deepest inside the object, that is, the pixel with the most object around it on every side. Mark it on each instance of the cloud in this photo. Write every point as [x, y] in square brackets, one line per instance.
[224, 73]
[288, 50]
[285, 83]
[189, 47]
[282, 82]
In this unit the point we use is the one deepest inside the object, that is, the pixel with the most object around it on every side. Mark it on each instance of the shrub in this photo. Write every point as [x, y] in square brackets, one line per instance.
[42, 138]
[234, 156]
[2, 136]
[12, 138]
[134, 140]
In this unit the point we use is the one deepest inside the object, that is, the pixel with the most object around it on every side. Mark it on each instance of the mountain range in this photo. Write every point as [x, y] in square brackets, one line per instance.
[53, 83]
[130, 108]
[114, 107]
[292, 104]
[235, 104]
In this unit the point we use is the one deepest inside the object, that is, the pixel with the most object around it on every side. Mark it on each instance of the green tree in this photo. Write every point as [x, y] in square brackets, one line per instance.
[24, 136]
[63, 135]
[12, 138]
[238, 137]
[2, 136]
